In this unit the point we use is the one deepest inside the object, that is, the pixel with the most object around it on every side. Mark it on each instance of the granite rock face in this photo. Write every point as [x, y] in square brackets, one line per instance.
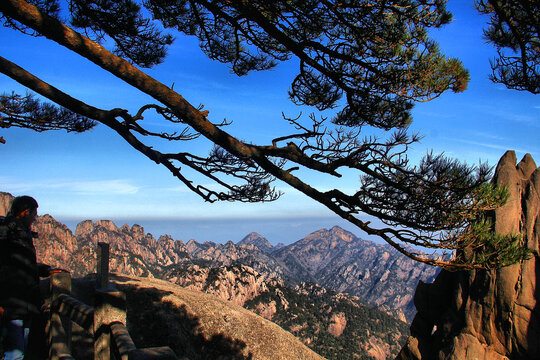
[5, 203]
[487, 314]
[236, 283]
[200, 326]
[337, 326]
[337, 259]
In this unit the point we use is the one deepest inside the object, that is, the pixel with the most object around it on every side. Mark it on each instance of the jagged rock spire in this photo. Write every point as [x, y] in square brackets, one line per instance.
[482, 314]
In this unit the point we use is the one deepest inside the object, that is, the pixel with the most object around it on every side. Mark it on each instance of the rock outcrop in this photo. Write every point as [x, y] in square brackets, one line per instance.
[236, 283]
[337, 259]
[5, 203]
[199, 326]
[337, 326]
[487, 314]
[334, 325]
[338, 322]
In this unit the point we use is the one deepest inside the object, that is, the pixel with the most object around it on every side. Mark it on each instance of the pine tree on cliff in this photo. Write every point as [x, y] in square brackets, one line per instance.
[371, 61]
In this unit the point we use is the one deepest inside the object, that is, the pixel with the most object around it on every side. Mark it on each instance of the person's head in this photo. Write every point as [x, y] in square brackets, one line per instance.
[24, 208]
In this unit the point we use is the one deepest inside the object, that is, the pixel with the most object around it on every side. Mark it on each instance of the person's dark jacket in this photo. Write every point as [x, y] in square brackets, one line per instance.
[19, 272]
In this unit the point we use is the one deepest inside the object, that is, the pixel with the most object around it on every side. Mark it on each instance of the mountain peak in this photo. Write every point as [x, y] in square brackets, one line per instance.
[343, 234]
[329, 237]
[108, 225]
[257, 240]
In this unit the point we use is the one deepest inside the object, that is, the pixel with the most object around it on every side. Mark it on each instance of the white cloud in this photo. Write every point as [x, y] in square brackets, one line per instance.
[490, 145]
[84, 187]
[489, 136]
[118, 187]
[514, 116]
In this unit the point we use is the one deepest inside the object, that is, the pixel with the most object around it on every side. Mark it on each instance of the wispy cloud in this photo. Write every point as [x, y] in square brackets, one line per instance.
[85, 187]
[489, 145]
[512, 116]
[119, 186]
[488, 135]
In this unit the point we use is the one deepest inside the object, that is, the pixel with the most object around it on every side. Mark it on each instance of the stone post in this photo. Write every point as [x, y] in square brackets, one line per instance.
[60, 284]
[109, 307]
[103, 266]
[59, 326]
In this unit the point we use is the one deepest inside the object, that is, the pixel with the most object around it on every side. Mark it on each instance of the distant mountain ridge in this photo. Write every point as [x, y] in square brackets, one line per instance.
[333, 258]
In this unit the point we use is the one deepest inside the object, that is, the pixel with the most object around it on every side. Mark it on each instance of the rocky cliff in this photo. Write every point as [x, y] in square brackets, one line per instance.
[339, 260]
[236, 283]
[337, 326]
[198, 326]
[487, 314]
[5, 203]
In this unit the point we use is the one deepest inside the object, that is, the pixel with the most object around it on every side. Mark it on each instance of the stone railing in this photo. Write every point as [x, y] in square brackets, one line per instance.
[105, 321]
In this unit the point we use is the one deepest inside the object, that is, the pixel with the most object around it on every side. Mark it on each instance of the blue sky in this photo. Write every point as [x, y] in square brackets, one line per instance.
[97, 175]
